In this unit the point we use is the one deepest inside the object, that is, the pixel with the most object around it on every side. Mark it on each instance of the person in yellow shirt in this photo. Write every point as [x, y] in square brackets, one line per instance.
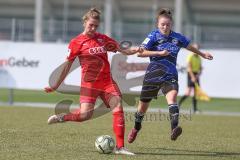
[194, 69]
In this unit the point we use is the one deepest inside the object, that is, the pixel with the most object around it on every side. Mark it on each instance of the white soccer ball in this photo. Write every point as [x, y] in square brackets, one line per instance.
[105, 144]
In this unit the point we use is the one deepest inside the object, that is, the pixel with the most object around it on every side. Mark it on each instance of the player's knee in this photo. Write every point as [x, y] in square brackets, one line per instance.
[115, 101]
[118, 111]
[86, 116]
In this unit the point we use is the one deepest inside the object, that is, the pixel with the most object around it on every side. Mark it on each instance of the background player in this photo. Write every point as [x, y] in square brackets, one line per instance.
[91, 47]
[194, 70]
[162, 46]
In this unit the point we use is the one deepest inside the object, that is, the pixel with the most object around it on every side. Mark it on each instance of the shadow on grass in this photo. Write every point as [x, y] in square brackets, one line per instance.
[181, 152]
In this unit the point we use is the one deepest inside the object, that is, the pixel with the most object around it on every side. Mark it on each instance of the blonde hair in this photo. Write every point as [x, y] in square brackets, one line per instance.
[92, 13]
[164, 12]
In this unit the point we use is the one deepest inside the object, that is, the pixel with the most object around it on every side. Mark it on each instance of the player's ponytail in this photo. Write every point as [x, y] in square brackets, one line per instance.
[92, 13]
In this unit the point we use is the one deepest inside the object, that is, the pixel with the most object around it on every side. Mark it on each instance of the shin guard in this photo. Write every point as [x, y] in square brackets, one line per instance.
[174, 115]
[119, 128]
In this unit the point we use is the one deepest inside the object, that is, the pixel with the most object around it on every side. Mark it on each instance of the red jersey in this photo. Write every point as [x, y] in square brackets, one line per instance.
[92, 54]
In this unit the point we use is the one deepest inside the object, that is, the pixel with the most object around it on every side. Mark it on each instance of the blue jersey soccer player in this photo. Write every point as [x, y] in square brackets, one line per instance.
[162, 46]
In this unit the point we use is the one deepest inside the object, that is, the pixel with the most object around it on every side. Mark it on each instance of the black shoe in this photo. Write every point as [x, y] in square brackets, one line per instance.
[175, 133]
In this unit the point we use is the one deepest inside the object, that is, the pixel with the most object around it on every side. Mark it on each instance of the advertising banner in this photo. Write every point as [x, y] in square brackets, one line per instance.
[30, 65]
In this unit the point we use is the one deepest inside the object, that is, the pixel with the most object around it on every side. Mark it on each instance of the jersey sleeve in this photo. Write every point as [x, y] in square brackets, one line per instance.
[110, 44]
[185, 41]
[149, 41]
[73, 50]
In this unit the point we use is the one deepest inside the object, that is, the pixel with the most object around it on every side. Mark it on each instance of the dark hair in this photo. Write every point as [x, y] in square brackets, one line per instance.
[92, 13]
[165, 12]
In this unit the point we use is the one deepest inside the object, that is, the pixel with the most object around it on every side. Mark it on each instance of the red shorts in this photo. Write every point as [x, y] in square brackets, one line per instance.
[105, 89]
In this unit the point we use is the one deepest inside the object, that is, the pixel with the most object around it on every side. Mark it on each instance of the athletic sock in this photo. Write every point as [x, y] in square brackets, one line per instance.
[138, 120]
[73, 116]
[182, 99]
[174, 115]
[194, 102]
[119, 128]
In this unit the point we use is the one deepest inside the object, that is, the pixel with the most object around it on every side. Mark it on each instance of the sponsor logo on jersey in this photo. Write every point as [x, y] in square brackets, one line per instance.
[146, 41]
[97, 50]
[161, 41]
[173, 80]
[174, 41]
[170, 48]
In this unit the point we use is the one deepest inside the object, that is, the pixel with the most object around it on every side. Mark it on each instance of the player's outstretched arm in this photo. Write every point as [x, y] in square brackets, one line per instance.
[65, 69]
[129, 51]
[146, 53]
[204, 55]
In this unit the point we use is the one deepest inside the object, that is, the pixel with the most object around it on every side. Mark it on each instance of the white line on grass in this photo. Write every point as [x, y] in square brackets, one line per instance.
[126, 109]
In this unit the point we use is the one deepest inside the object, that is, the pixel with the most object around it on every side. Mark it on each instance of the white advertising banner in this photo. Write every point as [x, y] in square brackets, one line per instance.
[29, 66]
[219, 76]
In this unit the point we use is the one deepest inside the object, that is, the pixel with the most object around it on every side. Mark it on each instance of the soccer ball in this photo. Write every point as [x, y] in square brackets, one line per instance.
[105, 144]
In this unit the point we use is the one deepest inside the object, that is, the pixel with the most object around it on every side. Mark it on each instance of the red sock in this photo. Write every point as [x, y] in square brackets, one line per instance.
[119, 128]
[73, 116]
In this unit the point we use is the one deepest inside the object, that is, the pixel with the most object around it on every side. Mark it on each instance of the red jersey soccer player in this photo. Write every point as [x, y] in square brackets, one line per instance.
[91, 49]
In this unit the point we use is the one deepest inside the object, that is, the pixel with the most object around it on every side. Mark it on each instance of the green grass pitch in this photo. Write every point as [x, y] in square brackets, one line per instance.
[25, 135]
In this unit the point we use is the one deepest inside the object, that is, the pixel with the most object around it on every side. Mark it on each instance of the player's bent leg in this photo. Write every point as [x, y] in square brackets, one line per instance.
[139, 115]
[84, 113]
[148, 92]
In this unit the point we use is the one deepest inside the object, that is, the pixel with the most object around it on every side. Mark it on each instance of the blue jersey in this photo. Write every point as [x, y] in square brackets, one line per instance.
[164, 67]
